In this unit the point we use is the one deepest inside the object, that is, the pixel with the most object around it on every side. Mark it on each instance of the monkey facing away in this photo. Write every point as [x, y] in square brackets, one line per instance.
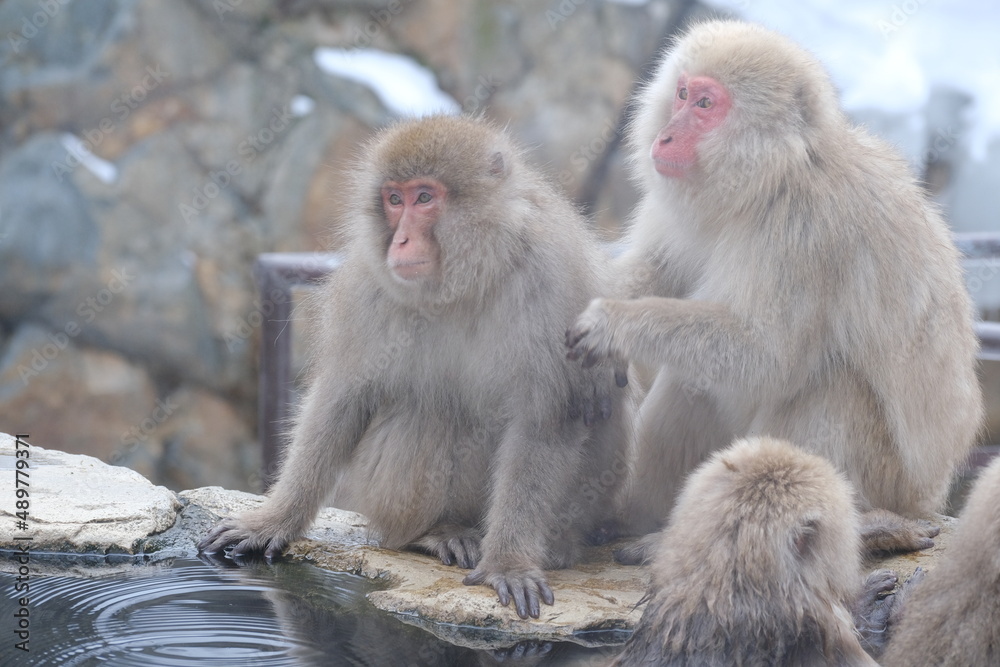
[758, 566]
[441, 405]
[952, 616]
[787, 277]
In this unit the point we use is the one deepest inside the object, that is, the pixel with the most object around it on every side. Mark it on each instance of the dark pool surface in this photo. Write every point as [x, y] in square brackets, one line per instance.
[191, 613]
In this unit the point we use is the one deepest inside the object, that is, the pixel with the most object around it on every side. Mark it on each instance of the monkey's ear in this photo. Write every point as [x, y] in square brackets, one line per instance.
[498, 166]
[805, 538]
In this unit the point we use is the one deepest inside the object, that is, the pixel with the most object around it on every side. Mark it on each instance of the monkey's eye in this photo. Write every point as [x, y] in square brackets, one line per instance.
[395, 199]
[704, 103]
[682, 93]
[424, 198]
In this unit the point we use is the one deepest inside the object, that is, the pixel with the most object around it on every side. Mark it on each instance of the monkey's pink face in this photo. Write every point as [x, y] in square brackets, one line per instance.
[411, 210]
[700, 105]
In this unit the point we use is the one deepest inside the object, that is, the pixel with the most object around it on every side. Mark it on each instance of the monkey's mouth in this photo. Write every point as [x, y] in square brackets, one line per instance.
[408, 271]
[670, 169]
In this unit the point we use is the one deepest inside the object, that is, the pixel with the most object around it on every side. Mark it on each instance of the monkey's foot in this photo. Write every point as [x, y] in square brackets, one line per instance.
[454, 545]
[237, 541]
[525, 587]
[884, 532]
[638, 551]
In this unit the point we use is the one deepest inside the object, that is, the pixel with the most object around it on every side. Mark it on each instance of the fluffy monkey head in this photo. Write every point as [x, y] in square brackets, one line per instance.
[730, 102]
[433, 202]
[762, 524]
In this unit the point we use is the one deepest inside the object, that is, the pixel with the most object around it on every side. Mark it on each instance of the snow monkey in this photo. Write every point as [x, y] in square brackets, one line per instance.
[759, 565]
[786, 276]
[441, 405]
[952, 617]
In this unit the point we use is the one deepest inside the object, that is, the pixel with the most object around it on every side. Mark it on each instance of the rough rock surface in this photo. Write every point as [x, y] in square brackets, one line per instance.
[77, 503]
[80, 505]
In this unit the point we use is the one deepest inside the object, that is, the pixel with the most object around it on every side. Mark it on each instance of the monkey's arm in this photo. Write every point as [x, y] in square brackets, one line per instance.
[695, 336]
[636, 274]
[523, 523]
[331, 423]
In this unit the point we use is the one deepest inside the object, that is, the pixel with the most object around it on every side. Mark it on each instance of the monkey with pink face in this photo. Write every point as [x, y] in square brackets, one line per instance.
[440, 404]
[786, 276]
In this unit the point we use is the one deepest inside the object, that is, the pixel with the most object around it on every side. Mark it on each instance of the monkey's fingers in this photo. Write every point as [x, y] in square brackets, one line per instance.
[638, 551]
[465, 552]
[606, 406]
[884, 532]
[526, 589]
[621, 373]
[218, 538]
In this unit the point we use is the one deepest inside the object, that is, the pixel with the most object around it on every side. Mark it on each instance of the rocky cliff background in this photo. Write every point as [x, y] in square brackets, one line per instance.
[149, 151]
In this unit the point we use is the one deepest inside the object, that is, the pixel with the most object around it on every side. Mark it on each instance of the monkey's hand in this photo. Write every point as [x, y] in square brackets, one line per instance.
[454, 545]
[592, 338]
[241, 537]
[526, 587]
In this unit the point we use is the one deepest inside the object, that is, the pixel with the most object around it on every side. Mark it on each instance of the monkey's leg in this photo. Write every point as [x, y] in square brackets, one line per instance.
[331, 423]
[884, 532]
[453, 544]
[531, 481]
[678, 427]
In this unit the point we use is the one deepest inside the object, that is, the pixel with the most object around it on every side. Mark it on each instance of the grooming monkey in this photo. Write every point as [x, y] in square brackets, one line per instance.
[952, 616]
[441, 405]
[787, 277]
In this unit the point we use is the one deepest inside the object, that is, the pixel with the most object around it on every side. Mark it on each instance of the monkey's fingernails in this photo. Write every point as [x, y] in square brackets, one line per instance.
[574, 337]
[520, 603]
[591, 359]
[546, 592]
[923, 543]
[534, 607]
[503, 594]
[606, 407]
[621, 377]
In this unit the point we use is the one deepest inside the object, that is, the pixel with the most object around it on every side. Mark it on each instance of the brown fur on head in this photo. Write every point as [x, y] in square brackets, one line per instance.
[756, 564]
[478, 165]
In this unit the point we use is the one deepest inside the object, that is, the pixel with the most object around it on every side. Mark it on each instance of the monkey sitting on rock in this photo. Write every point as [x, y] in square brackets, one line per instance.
[441, 405]
[785, 276]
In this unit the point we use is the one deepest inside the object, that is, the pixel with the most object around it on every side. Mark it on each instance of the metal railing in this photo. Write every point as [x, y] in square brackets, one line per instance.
[277, 274]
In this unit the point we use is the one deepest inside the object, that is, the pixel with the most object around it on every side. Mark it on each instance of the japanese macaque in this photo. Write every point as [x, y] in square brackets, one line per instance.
[441, 405]
[759, 565]
[785, 276]
[952, 616]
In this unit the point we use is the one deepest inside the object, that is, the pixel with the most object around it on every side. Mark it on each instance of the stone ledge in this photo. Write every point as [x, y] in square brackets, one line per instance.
[84, 508]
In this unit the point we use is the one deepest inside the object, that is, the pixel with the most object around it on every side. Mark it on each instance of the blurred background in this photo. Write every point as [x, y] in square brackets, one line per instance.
[151, 150]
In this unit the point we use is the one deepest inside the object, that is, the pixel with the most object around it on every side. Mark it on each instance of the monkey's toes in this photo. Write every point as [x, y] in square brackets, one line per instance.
[527, 590]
